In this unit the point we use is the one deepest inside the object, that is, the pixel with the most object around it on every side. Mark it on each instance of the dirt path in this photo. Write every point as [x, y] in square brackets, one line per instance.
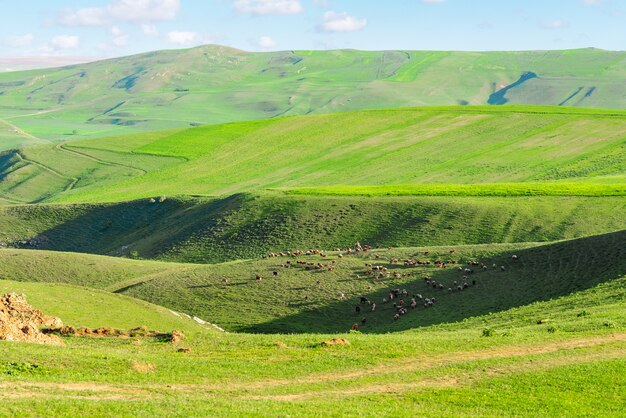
[612, 347]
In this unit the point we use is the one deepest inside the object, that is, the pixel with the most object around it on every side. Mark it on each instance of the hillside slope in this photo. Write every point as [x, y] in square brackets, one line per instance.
[250, 225]
[213, 84]
[380, 147]
[83, 307]
[306, 299]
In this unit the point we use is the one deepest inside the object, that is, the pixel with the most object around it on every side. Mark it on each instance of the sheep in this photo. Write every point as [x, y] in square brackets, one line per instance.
[340, 295]
[502, 268]
[514, 257]
[373, 307]
[355, 327]
[275, 273]
[364, 299]
[357, 309]
[364, 320]
[396, 317]
[259, 278]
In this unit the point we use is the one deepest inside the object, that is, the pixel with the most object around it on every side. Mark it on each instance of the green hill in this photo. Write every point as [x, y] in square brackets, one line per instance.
[573, 364]
[213, 84]
[83, 307]
[305, 299]
[250, 225]
[365, 148]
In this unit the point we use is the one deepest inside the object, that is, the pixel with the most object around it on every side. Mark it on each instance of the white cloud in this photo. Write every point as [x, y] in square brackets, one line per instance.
[182, 38]
[266, 43]
[139, 11]
[120, 38]
[268, 7]
[64, 42]
[19, 41]
[322, 3]
[555, 24]
[149, 30]
[91, 16]
[341, 22]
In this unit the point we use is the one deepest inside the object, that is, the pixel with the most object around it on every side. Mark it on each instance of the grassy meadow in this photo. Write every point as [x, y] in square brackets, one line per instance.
[213, 84]
[571, 363]
[171, 188]
[522, 150]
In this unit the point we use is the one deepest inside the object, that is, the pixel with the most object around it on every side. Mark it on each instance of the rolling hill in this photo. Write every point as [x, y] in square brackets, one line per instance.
[305, 299]
[210, 230]
[512, 144]
[214, 84]
[84, 307]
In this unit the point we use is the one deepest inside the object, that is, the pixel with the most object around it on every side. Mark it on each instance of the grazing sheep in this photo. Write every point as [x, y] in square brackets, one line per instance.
[385, 300]
[340, 295]
[364, 299]
[502, 268]
[514, 257]
[396, 317]
[373, 307]
[355, 327]
[358, 309]
[258, 277]
[275, 273]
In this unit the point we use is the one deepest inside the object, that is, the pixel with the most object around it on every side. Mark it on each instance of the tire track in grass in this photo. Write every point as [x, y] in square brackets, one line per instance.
[62, 147]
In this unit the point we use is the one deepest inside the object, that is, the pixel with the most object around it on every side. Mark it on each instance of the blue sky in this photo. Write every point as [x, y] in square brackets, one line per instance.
[105, 28]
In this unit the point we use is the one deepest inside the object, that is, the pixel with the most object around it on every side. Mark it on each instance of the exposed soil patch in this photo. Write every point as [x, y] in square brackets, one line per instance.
[21, 322]
[143, 331]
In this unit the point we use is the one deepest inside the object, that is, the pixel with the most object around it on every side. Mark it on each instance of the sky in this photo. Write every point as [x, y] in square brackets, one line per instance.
[62, 30]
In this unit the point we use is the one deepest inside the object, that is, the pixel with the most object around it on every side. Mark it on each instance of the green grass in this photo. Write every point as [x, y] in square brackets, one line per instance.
[293, 301]
[445, 370]
[84, 307]
[545, 148]
[494, 189]
[212, 84]
[206, 230]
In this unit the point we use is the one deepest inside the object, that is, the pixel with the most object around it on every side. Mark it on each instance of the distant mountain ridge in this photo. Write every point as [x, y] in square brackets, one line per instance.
[214, 84]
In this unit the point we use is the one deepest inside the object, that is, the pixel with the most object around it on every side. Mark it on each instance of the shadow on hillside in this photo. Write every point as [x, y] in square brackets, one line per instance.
[540, 274]
[149, 228]
[499, 97]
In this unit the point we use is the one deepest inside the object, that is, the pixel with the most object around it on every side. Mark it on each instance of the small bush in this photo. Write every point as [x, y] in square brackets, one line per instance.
[21, 368]
[489, 332]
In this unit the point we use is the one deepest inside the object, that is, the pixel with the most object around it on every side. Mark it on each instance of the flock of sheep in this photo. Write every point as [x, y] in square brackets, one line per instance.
[402, 300]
